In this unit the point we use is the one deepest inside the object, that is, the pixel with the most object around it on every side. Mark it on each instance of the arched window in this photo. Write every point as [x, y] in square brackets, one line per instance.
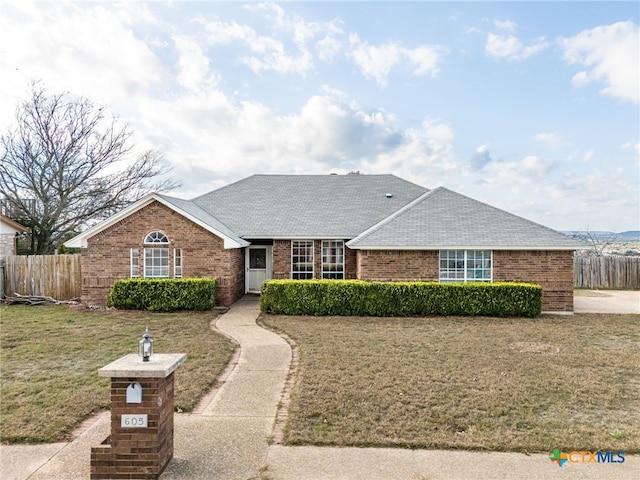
[156, 237]
[155, 258]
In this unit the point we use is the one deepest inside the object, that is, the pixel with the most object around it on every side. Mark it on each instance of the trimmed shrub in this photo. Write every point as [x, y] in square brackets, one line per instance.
[388, 299]
[163, 295]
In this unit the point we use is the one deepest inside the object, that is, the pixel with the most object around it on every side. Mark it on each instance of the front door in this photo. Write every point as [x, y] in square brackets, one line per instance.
[258, 263]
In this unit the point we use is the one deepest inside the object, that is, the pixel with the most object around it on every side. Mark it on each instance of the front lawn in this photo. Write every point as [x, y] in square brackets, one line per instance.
[530, 385]
[49, 359]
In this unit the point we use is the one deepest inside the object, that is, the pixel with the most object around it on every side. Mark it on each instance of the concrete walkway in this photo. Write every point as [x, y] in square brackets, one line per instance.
[229, 439]
[606, 301]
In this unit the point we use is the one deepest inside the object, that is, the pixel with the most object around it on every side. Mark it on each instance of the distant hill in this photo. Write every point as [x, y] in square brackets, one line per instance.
[629, 236]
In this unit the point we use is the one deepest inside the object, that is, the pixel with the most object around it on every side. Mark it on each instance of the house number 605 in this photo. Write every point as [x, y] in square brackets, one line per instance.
[134, 421]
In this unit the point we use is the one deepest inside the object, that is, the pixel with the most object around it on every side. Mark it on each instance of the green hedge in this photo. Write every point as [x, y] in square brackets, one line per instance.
[163, 295]
[387, 299]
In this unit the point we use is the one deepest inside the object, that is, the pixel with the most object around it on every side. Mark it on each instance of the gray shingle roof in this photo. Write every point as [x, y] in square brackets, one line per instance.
[445, 219]
[307, 206]
[202, 217]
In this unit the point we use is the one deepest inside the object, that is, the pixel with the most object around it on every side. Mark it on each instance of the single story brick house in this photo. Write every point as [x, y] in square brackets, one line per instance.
[369, 227]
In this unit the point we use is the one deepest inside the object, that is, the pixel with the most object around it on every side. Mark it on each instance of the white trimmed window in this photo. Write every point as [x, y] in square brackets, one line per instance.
[466, 266]
[134, 262]
[302, 259]
[333, 259]
[177, 263]
[155, 258]
[156, 262]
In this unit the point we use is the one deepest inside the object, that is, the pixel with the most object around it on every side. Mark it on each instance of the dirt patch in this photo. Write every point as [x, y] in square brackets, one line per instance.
[535, 347]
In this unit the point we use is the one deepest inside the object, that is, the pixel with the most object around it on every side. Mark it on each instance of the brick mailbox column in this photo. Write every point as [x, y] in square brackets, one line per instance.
[141, 442]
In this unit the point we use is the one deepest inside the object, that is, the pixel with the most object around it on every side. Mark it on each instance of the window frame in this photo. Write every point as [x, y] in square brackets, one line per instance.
[331, 259]
[467, 264]
[309, 247]
[177, 263]
[156, 262]
[134, 263]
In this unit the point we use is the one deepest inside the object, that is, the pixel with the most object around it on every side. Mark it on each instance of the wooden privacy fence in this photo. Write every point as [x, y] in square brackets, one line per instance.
[56, 276]
[607, 272]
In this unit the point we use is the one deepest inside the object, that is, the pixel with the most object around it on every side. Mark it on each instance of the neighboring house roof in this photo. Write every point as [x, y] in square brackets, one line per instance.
[445, 219]
[307, 206]
[11, 226]
[183, 207]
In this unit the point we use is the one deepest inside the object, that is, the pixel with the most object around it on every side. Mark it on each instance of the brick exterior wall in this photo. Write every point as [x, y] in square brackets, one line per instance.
[552, 270]
[282, 260]
[401, 265]
[7, 244]
[203, 255]
[137, 453]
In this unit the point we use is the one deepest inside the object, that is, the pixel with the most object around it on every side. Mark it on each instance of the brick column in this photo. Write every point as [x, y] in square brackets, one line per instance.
[132, 452]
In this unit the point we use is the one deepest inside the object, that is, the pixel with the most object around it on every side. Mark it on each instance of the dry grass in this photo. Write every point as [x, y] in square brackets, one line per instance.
[526, 385]
[50, 357]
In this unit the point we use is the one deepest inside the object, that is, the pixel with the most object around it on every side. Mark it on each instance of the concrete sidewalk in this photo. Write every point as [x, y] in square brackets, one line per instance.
[230, 438]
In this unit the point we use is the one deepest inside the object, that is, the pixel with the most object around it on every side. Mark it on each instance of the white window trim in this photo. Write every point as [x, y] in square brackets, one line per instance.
[331, 272]
[465, 269]
[177, 255]
[293, 272]
[160, 249]
[134, 262]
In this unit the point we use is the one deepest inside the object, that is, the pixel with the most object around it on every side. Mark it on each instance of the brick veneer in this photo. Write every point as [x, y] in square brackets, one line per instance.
[552, 270]
[282, 260]
[203, 254]
[137, 453]
[7, 244]
[402, 265]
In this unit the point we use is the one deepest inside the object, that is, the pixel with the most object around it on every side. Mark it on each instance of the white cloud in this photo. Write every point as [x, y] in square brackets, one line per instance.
[505, 25]
[65, 43]
[376, 62]
[513, 175]
[287, 49]
[635, 148]
[480, 157]
[551, 139]
[194, 73]
[267, 53]
[610, 54]
[424, 155]
[328, 48]
[588, 155]
[509, 48]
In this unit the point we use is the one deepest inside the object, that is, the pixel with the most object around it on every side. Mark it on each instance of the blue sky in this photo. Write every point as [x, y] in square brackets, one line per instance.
[529, 106]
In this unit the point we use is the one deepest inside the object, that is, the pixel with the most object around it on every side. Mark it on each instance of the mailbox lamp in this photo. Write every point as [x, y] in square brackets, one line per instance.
[146, 346]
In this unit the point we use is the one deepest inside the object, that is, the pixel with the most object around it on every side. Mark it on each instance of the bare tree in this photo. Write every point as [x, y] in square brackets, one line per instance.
[75, 162]
[597, 243]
